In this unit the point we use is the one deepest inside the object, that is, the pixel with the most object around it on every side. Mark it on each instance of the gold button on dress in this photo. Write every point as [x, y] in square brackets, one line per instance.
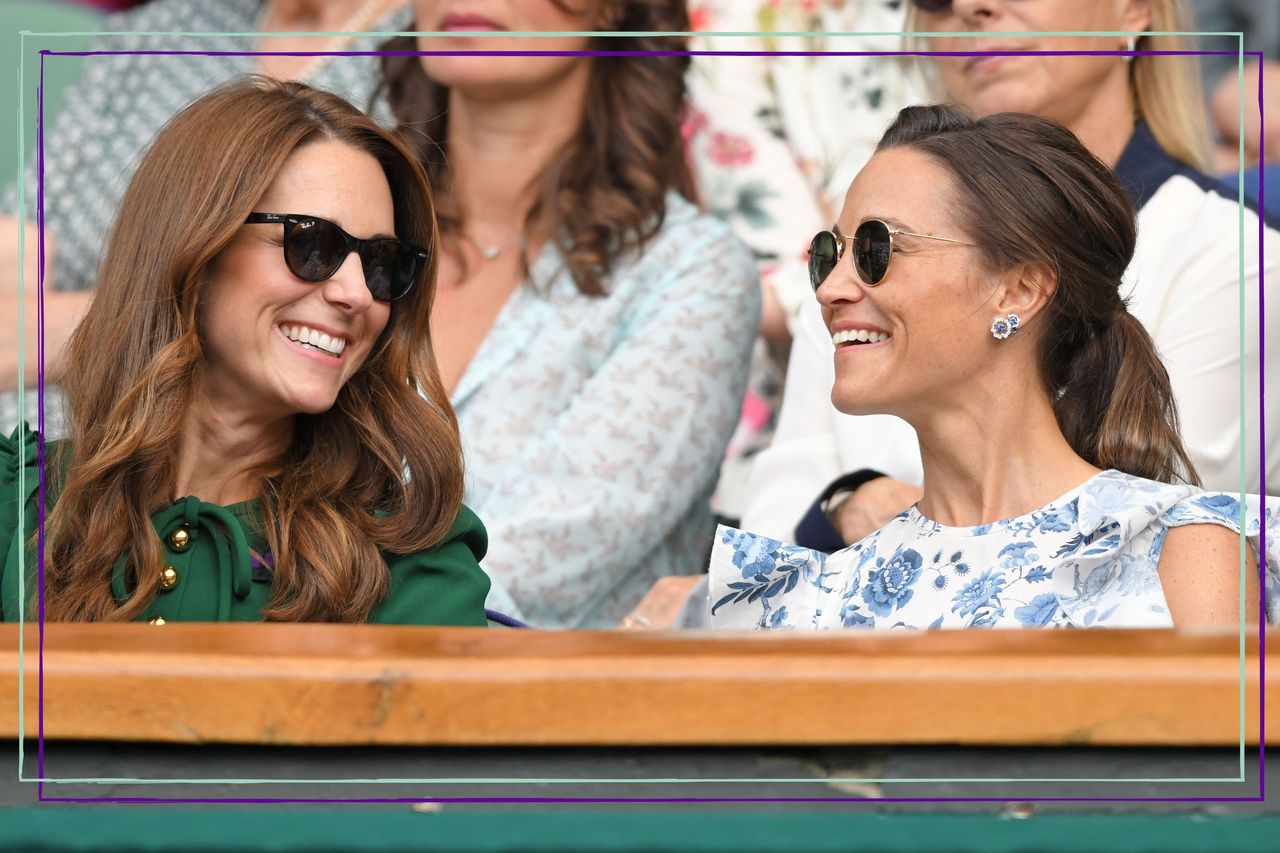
[168, 578]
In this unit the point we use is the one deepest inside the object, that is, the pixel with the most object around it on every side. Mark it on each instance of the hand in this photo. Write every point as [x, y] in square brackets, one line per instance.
[871, 506]
[62, 310]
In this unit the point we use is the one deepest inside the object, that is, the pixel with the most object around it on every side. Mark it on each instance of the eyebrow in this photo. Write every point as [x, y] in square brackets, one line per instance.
[890, 221]
[887, 220]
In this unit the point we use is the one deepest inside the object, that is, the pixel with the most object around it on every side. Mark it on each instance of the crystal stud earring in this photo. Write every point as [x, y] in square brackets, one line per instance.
[1005, 326]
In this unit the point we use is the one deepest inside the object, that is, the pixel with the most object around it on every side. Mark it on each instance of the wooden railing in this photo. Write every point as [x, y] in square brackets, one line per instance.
[356, 684]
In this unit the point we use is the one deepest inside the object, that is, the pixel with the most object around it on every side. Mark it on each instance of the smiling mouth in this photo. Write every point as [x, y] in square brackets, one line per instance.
[311, 338]
[469, 23]
[856, 337]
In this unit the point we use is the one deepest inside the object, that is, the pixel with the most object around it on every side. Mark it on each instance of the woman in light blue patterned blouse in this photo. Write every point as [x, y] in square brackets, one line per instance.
[592, 325]
[970, 286]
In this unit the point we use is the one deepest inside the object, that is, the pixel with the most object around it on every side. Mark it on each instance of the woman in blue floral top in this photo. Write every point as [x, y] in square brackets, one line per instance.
[970, 286]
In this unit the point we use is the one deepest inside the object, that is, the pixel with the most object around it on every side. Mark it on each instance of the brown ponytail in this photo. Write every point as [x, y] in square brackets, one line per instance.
[1030, 192]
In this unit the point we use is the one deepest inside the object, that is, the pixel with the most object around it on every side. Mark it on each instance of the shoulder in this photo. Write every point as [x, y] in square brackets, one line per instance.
[442, 585]
[466, 542]
[1127, 502]
[1199, 213]
[694, 236]
[21, 458]
[469, 531]
[693, 259]
[1198, 565]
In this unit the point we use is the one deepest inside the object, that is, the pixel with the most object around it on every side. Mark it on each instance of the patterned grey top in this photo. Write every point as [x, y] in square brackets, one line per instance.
[119, 104]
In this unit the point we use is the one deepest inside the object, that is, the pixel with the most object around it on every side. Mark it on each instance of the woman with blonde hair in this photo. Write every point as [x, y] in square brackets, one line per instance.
[247, 437]
[1188, 283]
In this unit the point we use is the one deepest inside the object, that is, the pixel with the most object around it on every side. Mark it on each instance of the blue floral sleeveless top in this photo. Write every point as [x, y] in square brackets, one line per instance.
[1088, 559]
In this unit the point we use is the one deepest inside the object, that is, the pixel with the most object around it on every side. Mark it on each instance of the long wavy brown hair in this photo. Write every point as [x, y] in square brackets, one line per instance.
[380, 471]
[605, 193]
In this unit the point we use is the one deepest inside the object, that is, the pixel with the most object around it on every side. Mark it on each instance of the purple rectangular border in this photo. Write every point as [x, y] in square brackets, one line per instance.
[40, 392]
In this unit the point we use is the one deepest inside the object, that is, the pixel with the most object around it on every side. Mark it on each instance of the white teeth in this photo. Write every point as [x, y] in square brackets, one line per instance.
[859, 335]
[311, 337]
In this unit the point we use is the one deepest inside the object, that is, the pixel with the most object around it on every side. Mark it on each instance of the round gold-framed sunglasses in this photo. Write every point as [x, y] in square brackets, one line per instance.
[872, 251]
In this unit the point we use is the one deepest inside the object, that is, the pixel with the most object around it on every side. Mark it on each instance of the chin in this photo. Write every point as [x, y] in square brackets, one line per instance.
[857, 403]
[312, 404]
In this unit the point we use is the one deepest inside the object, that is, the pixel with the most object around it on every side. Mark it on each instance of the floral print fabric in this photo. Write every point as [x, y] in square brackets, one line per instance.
[1086, 560]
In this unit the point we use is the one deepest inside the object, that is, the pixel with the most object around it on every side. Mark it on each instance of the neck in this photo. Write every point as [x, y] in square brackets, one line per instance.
[219, 452]
[498, 147]
[1105, 123]
[986, 458]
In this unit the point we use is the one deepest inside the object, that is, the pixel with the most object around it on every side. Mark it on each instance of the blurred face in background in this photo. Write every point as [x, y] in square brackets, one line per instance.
[504, 77]
[1056, 87]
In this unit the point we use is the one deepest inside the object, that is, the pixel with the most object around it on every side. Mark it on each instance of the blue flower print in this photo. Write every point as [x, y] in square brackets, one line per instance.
[852, 617]
[1017, 555]
[1059, 519]
[986, 617]
[1039, 612]
[779, 617]
[1096, 583]
[889, 587]
[1137, 574]
[1117, 496]
[754, 555]
[1221, 505]
[977, 593]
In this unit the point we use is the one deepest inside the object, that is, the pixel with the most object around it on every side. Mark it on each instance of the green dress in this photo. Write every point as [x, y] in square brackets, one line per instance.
[215, 570]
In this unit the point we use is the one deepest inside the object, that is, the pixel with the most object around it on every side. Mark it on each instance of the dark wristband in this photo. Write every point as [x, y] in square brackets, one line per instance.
[815, 530]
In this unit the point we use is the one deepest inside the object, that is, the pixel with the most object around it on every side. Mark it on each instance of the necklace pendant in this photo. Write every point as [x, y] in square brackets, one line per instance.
[490, 252]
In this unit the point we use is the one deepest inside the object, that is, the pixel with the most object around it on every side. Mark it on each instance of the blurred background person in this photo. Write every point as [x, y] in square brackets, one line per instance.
[592, 326]
[113, 112]
[830, 479]
[774, 141]
[1260, 23]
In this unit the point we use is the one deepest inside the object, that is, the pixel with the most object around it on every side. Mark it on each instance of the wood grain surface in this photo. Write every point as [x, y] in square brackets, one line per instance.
[359, 684]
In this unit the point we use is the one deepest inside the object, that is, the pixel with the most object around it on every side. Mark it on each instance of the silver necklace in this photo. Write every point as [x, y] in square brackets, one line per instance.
[489, 251]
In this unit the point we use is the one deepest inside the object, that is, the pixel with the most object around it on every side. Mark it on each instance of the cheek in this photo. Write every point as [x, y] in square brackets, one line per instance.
[557, 16]
[379, 315]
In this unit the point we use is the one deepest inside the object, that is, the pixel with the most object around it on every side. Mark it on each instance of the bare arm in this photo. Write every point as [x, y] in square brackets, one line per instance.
[1200, 572]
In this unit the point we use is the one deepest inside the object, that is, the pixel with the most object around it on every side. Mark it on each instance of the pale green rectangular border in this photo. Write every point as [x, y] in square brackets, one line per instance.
[21, 404]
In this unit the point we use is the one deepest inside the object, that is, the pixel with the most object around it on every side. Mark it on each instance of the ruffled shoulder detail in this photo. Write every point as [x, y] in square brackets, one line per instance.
[1108, 572]
[758, 582]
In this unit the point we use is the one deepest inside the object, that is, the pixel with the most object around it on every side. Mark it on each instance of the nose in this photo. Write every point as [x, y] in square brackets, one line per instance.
[346, 289]
[841, 286]
[976, 11]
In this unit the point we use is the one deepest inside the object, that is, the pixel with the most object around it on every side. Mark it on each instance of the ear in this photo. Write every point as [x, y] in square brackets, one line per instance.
[1133, 15]
[1026, 291]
